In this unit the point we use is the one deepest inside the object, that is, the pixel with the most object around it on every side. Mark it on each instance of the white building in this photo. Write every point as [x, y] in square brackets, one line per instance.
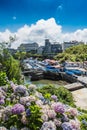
[71, 43]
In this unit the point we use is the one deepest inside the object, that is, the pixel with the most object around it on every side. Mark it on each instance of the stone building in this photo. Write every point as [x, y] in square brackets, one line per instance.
[51, 49]
[47, 47]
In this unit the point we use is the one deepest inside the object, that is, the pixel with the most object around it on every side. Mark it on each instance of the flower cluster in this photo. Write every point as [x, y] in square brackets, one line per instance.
[71, 125]
[73, 111]
[2, 96]
[58, 107]
[24, 109]
[32, 87]
[54, 97]
[2, 100]
[18, 109]
[48, 126]
[21, 90]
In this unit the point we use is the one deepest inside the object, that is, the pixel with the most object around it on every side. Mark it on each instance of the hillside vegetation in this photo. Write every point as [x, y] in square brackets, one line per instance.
[75, 53]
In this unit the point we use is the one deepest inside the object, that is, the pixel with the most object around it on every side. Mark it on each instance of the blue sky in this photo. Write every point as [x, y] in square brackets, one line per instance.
[70, 14]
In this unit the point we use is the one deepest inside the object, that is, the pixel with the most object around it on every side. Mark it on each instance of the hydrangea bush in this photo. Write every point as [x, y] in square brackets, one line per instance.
[61, 93]
[24, 108]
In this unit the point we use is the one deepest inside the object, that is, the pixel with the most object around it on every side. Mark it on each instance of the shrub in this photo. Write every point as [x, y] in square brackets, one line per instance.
[62, 93]
[83, 120]
[11, 66]
[32, 111]
[3, 77]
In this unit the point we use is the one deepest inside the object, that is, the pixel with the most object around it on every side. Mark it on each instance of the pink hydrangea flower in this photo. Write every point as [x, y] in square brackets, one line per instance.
[73, 111]
[44, 117]
[75, 124]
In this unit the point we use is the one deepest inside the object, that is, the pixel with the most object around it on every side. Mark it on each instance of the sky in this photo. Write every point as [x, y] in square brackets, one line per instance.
[60, 20]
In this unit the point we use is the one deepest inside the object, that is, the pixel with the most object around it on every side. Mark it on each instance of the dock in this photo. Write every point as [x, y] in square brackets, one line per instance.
[74, 76]
[34, 74]
[74, 86]
[69, 78]
[83, 80]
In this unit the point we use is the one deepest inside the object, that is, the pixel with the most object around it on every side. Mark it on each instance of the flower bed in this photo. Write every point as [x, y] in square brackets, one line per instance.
[24, 108]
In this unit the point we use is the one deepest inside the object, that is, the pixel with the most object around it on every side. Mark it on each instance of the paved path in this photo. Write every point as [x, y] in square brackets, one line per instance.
[80, 97]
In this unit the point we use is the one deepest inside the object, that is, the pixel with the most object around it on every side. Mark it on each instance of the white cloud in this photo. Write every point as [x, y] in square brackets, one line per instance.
[41, 30]
[4, 36]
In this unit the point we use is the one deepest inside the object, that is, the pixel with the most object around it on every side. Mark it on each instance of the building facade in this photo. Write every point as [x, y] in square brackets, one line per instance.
[40, 50]
[69, 44]
[28, 47]
[56, 48]
[52, 49]
[48, 49]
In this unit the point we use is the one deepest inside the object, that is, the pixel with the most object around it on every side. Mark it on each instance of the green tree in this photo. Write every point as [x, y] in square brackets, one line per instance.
[75, 53]
[20, 55]
[11, 66]
[3, 78]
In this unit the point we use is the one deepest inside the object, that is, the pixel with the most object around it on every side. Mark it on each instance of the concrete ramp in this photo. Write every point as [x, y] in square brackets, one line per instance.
[74, 86]
[83, 80]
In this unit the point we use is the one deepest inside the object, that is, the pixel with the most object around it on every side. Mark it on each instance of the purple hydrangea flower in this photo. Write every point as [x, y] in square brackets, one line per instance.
[67, 126]
[65, 118]
[58, 107]
[84, 122]
[20, 90]
[41, 98]
[28, 112]
[48, 126]
[18, 109]
[54, 97]
[13, 86]
[2, 101]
